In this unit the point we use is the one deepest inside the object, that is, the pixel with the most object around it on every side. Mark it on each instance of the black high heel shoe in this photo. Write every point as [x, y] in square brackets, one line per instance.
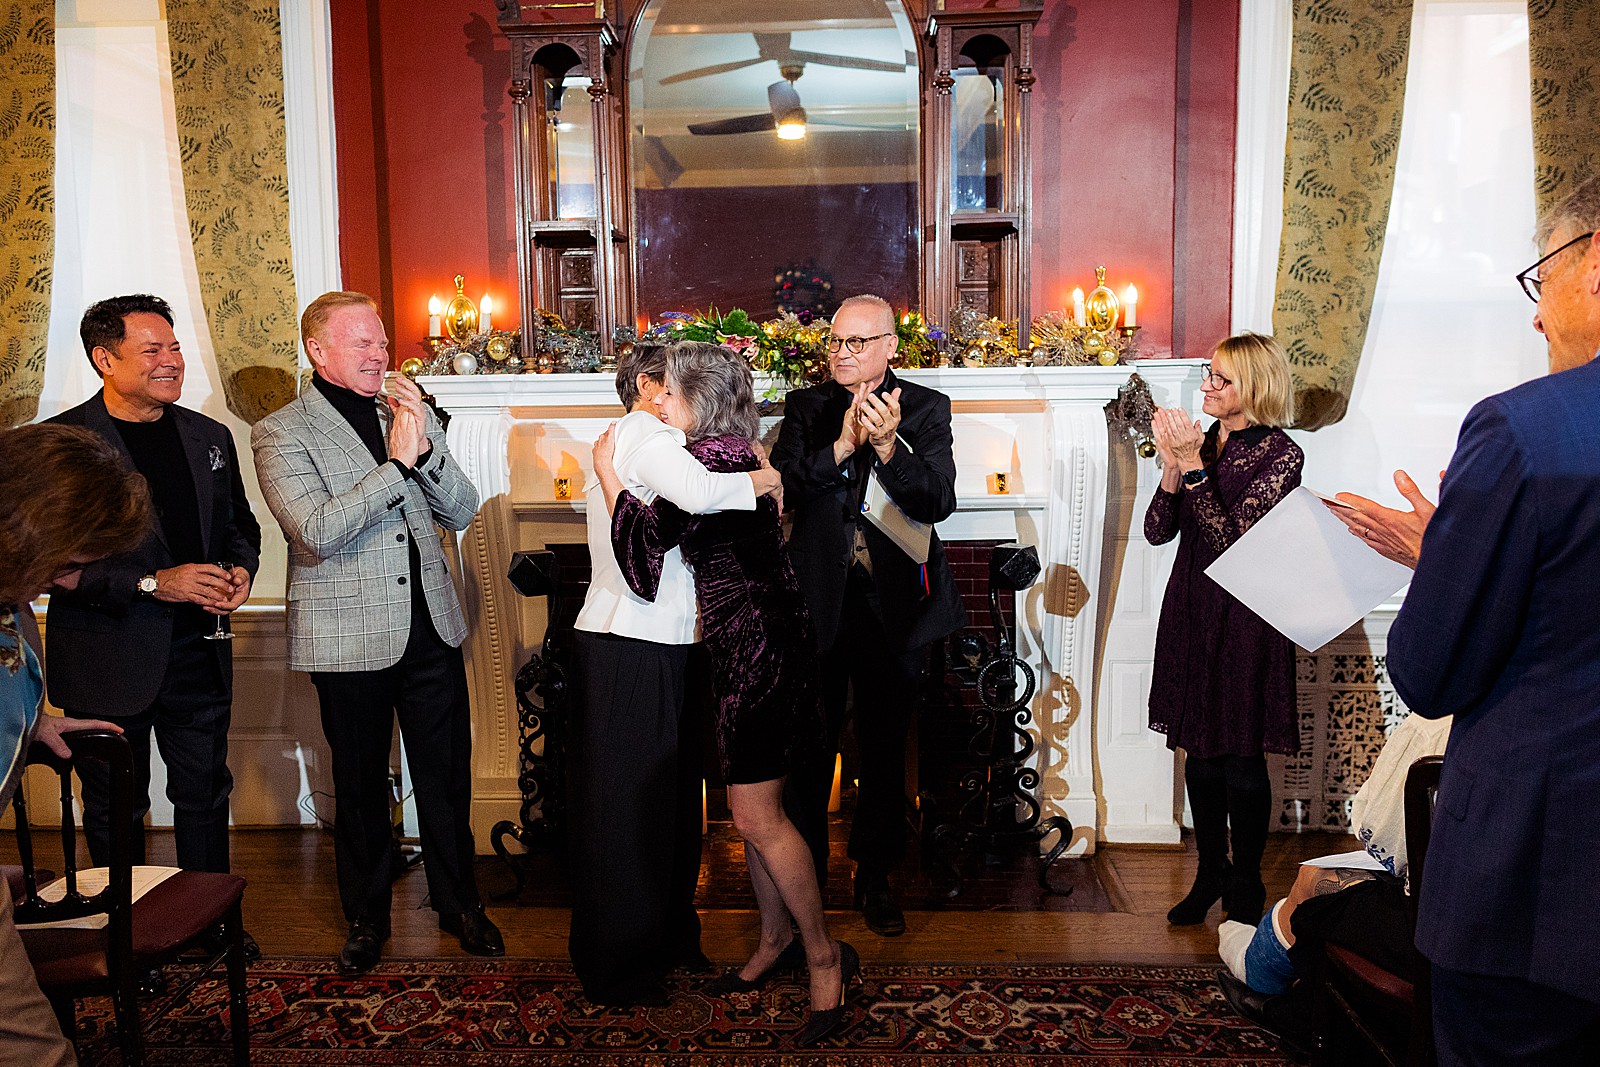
[823, 1023]
[790, 959]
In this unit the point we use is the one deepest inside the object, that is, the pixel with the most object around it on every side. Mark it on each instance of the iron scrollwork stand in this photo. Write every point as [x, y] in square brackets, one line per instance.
[1002, 783]
[541, 687]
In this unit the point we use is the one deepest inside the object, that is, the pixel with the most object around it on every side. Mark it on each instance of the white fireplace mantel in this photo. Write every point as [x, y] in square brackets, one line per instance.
[1087, 626]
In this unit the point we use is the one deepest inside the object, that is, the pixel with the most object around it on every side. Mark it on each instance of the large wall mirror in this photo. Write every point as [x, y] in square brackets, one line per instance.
[772, 148]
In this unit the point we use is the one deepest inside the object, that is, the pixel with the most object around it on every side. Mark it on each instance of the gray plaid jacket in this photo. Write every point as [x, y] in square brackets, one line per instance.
[347, 521]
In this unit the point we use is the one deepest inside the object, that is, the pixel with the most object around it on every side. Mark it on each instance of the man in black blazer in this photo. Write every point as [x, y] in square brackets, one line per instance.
[129, 643]
[876, 610]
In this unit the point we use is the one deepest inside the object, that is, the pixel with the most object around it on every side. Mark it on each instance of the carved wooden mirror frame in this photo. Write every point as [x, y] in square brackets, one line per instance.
[582, 267]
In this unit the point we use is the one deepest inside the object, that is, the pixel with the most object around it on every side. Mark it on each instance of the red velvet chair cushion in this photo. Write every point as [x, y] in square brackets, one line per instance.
[165, 920]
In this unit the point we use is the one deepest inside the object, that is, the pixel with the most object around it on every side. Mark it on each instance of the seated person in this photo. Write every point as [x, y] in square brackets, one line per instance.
[1361, 909]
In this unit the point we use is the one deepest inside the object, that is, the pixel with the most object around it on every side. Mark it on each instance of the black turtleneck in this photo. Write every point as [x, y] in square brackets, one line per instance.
[361, 412]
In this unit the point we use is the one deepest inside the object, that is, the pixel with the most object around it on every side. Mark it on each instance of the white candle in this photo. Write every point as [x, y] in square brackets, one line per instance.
[484, 307]
[434, 310]
[1130, 305]
[1079, 315]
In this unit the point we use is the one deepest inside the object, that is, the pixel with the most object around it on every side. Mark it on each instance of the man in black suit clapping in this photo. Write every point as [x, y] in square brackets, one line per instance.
[876, 610]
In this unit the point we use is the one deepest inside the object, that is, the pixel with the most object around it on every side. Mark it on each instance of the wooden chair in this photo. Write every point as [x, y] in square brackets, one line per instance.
[1391, 1015]
[189, 910]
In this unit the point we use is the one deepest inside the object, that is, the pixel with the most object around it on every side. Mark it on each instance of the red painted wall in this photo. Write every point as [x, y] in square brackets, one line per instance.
[1133, 119]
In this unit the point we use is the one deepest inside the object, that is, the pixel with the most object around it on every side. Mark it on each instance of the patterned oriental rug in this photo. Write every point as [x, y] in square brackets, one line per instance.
[475, 1013]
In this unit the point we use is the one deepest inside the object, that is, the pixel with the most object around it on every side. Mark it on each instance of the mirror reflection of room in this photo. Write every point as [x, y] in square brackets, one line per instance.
[775, 154]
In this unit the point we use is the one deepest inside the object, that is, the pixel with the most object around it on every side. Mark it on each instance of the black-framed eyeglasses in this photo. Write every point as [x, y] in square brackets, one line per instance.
[1213, 379]
[854, 344]
[1530, 280]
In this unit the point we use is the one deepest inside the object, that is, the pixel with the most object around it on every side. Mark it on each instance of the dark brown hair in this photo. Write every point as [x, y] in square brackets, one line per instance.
[69, 495]
[648, 358]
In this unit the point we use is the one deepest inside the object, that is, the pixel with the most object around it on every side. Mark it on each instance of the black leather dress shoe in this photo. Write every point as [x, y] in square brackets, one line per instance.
[877, 905]
[474, 929]
[363, 948]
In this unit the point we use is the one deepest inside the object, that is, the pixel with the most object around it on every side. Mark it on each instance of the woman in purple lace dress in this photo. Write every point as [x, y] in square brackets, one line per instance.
[755, 627]
[1223, 685]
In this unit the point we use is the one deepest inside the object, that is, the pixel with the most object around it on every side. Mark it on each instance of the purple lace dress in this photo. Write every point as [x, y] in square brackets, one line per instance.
[752, 615]
[1224, 680]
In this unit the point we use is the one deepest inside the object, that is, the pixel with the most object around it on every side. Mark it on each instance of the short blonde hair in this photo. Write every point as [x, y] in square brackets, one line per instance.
[314, 319]
[1262, 376]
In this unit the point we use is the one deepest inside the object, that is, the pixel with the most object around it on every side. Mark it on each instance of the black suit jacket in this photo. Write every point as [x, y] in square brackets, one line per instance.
[826, 500]
[106, 646]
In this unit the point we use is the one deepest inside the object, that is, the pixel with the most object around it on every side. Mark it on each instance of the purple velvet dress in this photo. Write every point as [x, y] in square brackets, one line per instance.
[1224, 680]
[752, 615]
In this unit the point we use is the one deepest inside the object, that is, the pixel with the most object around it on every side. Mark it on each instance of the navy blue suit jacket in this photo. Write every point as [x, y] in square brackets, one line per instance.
[1501, 628]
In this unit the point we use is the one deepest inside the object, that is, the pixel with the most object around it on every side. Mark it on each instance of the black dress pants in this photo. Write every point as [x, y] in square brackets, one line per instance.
[426, 691]
[189, 718]
[634, 769]
[884, 687]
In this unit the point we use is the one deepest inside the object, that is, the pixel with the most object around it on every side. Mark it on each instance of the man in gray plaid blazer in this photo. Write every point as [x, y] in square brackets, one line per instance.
[360, 484]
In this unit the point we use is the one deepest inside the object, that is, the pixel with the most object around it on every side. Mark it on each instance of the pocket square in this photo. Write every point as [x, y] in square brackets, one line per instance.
[218, 460]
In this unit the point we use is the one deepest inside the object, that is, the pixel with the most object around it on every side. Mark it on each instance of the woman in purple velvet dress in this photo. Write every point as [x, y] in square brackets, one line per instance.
[755, 627]
[1223, 685]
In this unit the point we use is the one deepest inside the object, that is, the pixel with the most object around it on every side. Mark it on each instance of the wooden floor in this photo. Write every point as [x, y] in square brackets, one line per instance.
[292, 908]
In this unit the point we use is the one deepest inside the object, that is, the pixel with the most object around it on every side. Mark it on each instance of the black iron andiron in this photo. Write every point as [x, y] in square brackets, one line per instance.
[541, 721]
[999, 811]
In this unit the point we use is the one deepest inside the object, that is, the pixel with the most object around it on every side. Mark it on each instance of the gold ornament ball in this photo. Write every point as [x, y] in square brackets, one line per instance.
[412, 367]
[1147, 448]
[498, 347]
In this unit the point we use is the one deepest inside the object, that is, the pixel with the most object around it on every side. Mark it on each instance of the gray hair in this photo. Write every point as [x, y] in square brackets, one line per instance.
[648, 358]
[715, 384]
[1579, 209]
[871, 301]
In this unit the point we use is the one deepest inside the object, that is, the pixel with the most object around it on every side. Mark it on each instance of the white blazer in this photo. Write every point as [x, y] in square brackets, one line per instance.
[651, 461]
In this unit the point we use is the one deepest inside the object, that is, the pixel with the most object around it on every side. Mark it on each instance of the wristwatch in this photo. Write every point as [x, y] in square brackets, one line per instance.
[1194, 477]
[148, 585]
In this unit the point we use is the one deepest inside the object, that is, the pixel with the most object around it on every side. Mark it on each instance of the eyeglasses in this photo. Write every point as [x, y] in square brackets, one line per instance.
[854, 344]
[1213, 379]
[1530, 280]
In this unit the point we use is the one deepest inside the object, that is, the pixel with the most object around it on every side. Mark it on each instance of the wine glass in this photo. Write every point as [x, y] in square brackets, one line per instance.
[219, 634]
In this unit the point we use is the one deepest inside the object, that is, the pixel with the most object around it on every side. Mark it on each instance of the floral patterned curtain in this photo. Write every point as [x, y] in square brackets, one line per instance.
[227, 77]
[27, 199]
[1564, 57]
[1346, 91]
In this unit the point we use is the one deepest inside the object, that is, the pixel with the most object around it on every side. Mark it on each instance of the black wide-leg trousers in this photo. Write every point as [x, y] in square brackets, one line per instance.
[634, 795]
[426, 692]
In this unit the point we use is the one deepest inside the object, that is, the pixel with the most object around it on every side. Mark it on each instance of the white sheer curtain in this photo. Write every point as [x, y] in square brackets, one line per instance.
[1449, 324]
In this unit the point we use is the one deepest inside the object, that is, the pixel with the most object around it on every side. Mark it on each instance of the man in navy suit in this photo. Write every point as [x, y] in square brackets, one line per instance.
[1501, 628]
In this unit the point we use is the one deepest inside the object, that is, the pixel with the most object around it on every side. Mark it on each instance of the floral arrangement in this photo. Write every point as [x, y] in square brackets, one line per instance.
[919, 341]
[793, 347]
[1058, 342]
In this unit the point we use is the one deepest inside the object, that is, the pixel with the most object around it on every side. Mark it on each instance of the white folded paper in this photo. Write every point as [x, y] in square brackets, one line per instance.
[1302, 570]
[1359, 860]
[90, 882]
